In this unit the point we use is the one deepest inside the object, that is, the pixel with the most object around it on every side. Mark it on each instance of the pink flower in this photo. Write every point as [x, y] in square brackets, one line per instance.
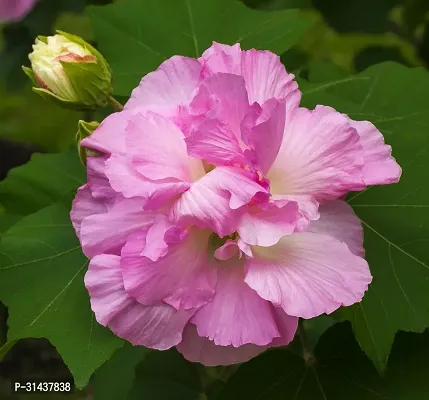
[212, 220]
[14, 10]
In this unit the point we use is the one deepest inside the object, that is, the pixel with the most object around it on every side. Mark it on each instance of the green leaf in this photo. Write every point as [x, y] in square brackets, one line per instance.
[115, 378]
[377, 54]
[395, 217]
[6, 221]
[41, 282]
[340, 372]
[166, 375]
[41, 182]
[138, 35]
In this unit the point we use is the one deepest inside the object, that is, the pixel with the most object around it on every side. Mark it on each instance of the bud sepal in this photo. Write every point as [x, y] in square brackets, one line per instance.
[85, 129]
[70, 72]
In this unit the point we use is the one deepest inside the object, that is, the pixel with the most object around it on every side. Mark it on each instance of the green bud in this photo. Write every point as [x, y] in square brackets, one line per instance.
[69, 71]
[85, 129]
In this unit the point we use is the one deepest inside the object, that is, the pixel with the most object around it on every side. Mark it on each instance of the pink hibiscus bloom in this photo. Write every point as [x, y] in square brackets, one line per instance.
[14, 10]
[211, 217]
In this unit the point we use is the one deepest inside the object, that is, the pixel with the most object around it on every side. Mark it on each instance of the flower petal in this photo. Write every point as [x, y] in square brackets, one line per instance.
[108, 138]
[170, 86]
[265, 227]
[224, 97]
[181, 278]
[263, 72]
[108, 232]
[200, 349]
[158, 148]
[266, 78]
[266, 133]
[236, 315]
[14, 10]
[308, 274]
[159, 326]
[97, 180]
[337, 219]
[215, 143]
[228, 250]
[84, 205]
[308, 208]
[287, 326]
[321, 156]
[380, 167]
[212, 201]
[222, 58]
[124, 179]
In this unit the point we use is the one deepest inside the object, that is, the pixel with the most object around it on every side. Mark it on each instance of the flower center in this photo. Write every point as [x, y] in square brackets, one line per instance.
[215, 241]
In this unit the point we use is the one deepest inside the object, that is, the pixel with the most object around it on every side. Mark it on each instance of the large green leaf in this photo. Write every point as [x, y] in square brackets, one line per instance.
[395, 217]
[6, 221]
[138, 35]
[41, 282]
[340, 371]
[115, 378]
[166, 375]
[41, 182]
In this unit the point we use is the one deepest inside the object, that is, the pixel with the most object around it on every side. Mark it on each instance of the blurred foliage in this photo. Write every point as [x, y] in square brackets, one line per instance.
[345, 37]
[26, 117]
[350, 35]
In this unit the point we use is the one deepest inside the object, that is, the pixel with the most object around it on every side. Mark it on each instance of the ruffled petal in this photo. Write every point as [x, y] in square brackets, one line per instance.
[108, 232]
[158, 149]
[287, 326]
[221, 58]
[172, 85]
[224, 97]
[266, 78]
[321, 156]
[109, 137]
[215, 143]
[159, 326]
[228, 250]
[237, 315]
[181, 278]
[200, 349]
[264, 74]
[124, 179]
[308, 208]
[265, 227]
[265, 133]
[212, 201]
[337, 219]
[84, 205]
[308, 274]
[97, 180]
[380, 167]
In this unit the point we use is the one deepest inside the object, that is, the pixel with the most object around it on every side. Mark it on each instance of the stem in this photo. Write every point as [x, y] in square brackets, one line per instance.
[115, 104]
[307, 353]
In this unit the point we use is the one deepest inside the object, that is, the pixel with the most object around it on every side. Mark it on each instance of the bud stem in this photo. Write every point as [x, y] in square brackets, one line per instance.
[307, 354]
[115, 104]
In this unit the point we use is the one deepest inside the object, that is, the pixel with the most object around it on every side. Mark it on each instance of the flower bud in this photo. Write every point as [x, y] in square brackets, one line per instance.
[85, 129]
[66, 69]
